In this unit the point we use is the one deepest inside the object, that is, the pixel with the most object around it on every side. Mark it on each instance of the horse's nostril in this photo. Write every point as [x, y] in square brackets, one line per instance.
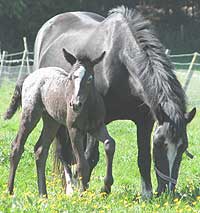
[79, 105]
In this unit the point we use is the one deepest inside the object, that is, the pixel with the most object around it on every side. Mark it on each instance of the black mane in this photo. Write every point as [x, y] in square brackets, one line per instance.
[154, 69]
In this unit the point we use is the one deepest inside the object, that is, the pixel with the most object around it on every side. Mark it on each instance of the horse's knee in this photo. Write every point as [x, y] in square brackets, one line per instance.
[38, 152]
[16, 149]
[109, 146]
[92, 156]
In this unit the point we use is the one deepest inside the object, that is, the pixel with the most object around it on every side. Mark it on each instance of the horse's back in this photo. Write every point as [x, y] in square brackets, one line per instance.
[40, 79]
[67, 23]
[45, 89]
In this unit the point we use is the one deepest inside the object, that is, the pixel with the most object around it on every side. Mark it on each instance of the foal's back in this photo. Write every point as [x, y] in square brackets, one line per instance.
[46, 88]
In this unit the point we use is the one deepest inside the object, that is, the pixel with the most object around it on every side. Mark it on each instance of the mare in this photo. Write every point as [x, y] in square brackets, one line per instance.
[61, 98]
[136, 80]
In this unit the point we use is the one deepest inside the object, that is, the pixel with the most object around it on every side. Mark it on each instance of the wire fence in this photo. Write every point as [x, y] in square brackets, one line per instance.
[187, 66]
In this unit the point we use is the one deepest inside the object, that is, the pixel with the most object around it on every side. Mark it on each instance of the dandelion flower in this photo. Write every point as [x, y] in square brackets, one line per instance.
[176, 200]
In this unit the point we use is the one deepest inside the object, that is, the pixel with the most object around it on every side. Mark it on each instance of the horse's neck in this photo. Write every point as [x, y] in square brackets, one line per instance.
[153, 78]
[92, 99]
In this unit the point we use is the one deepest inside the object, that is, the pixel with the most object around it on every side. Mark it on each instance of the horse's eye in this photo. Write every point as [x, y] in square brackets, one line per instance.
[75, 76]
[89, 79]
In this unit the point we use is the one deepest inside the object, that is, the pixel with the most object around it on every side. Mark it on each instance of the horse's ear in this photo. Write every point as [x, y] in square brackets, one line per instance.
[161, 116]
[100, 58]
[69, 57]
[190, 115]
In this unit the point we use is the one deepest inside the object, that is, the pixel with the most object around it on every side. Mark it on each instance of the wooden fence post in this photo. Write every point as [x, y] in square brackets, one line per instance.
[27, 56]
[2, 60]
[22, 65]
[167, 51]
[190, 72]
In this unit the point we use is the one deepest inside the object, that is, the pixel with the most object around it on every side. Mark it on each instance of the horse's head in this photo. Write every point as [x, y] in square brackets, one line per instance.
[81, 77]
[169, 143]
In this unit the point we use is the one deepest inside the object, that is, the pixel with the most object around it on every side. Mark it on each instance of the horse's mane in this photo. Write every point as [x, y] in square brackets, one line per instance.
[155, 70]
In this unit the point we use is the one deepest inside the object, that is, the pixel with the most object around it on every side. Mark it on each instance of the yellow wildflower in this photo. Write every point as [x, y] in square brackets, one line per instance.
[157, 205]
[176, 200]
[166, 204]
[95, 206]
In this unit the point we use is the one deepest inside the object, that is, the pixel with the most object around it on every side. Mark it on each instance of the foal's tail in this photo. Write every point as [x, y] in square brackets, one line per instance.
[15, 100]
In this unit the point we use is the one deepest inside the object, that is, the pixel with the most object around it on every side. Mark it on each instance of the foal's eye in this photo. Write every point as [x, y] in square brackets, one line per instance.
[90, 79]
[75, 76]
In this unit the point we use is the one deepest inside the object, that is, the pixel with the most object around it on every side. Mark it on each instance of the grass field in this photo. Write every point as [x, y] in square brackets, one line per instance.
[125, 196]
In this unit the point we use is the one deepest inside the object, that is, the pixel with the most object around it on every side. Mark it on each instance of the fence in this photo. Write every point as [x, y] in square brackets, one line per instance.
[14, 65]
[187, 66]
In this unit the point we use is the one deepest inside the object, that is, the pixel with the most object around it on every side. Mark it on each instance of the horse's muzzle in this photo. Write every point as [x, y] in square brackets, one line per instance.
[76, 106]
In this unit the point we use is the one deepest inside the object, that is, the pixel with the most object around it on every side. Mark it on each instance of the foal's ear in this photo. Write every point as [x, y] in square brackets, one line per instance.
[100, 58]
[161, 116]
[69, 57]
[190, 115]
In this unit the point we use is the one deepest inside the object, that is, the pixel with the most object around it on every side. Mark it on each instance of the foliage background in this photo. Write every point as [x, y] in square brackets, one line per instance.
[177, 21]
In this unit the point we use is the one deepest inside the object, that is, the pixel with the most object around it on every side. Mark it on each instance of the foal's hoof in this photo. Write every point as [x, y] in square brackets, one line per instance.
[44, 196]
[106, 190]
[147, 195]
[69, 191]
[11, 193]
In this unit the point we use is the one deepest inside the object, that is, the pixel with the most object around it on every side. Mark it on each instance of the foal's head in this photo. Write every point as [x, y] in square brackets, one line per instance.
[169, 143]
[81, 77]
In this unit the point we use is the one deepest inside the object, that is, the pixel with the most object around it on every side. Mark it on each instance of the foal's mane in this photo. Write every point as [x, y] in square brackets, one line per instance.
[154, 69]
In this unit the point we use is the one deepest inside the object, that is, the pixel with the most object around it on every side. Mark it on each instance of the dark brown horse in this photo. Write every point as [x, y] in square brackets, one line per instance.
[135, 78]
[66, 99]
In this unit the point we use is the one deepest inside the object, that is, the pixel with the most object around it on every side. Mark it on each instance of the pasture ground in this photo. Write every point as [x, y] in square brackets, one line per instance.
[125, 196]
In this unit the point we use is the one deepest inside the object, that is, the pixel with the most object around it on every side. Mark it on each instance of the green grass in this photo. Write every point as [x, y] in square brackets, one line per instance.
[125, 196]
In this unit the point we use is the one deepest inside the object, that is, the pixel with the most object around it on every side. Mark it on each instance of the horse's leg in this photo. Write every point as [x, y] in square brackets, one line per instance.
[91, 151]
[65, 154]
[29, 119]
[77, 137]
[144, 129]
[109, 146]
[41, 149]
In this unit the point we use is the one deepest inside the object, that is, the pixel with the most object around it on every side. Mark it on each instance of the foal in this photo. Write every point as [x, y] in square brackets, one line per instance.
[62, 99]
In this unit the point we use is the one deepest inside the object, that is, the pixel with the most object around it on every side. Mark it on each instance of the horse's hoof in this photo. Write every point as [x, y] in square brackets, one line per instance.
[106, 190]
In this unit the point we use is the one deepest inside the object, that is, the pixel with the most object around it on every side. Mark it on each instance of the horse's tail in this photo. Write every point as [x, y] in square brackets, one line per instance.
[15, 100]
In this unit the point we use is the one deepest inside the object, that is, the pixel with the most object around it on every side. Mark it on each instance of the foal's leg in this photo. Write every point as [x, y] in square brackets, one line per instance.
[109, 146]
[77, 138]
[29, 119]
[144, 130]
[41, 149]
[91, 151]
[65, 154]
